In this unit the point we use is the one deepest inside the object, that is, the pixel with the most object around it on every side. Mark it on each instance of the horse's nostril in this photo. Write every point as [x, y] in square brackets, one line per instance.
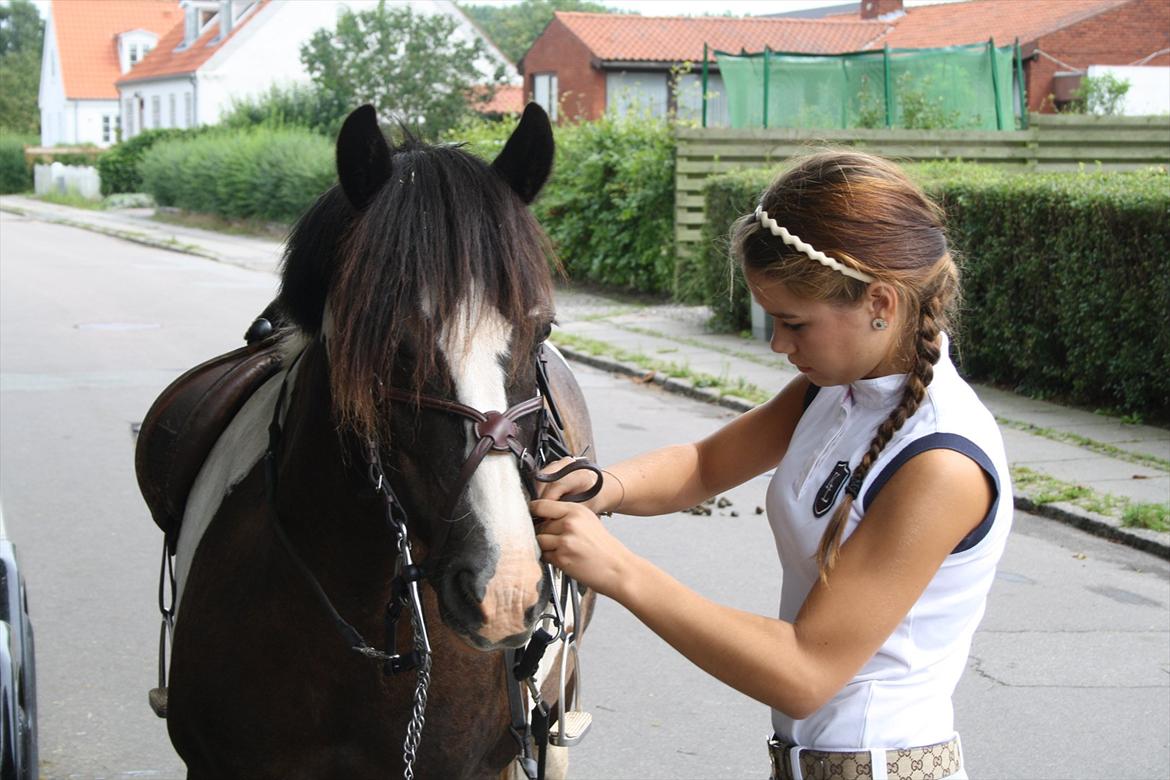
[465, 588]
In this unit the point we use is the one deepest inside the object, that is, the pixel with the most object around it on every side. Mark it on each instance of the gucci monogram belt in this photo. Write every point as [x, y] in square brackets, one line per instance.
[932, 762]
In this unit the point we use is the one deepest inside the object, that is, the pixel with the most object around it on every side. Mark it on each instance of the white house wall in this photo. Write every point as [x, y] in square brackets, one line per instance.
[267, 51]
[164, 90]
[1149, 87]
[51, 97]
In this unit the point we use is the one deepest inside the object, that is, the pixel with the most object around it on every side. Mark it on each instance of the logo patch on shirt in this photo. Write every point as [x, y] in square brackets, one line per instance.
[827, 495]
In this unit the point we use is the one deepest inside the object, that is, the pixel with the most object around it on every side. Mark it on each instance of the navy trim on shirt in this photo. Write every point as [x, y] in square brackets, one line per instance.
[944, 441]
[809, 395]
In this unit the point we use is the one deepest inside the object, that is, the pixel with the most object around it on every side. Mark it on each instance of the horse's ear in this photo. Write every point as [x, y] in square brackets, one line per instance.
[363, 157]
[527, 158]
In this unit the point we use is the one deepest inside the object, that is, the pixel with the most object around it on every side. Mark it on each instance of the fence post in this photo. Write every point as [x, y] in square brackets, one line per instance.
[704, 85]
[766, 69]
[1023, 86]
[995, 83]
[888, 87]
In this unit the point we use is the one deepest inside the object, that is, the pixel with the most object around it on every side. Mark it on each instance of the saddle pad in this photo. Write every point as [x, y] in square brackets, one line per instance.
[187, 419]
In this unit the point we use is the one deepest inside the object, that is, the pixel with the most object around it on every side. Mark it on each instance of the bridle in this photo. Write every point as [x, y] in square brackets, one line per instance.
[496, 433]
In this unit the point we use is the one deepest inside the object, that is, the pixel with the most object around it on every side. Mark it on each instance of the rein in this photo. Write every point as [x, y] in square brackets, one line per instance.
[496, 432]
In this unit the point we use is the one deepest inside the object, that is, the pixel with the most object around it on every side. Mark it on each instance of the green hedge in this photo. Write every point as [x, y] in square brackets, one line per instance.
[118, 167]
[15, 173]
[1066, 277]
[261, 173]
[609, 205]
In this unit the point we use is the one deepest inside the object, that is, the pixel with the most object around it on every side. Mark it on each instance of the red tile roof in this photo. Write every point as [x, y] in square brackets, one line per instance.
[508, 99]
[627, 38]
[164, 60]
[977, 20]
[87, 39]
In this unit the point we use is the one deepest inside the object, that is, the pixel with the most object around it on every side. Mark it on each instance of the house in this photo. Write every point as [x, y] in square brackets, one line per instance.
[88, 46]
[587, 64]
[223, 51]
[1056, 36]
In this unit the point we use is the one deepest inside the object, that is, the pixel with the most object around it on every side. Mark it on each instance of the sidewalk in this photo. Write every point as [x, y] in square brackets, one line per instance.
[1075, 466]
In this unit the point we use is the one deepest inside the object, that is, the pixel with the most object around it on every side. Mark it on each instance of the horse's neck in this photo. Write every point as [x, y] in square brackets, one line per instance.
[324, 499]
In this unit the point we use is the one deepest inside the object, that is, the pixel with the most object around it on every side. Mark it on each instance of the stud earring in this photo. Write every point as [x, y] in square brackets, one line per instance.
[879, 323]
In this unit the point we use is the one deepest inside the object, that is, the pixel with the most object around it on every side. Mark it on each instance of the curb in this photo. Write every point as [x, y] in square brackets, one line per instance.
[125, 235]
[1098, 525]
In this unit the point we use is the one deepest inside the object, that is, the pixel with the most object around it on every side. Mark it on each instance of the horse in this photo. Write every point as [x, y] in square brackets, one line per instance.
[415, 300]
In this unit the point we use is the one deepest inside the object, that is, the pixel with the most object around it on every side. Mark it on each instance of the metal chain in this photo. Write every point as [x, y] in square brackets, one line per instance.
[418, 716]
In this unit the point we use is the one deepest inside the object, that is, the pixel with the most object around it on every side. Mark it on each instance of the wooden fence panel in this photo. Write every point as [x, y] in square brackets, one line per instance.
[1052, 142]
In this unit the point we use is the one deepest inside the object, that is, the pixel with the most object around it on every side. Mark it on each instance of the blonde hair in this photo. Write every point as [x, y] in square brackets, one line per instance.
[863, 211]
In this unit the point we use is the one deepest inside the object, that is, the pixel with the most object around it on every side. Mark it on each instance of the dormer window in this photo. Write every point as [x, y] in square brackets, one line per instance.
[133, 46]
[198, 16]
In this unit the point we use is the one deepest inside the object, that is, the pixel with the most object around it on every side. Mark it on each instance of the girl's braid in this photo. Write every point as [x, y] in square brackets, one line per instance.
[926, 353]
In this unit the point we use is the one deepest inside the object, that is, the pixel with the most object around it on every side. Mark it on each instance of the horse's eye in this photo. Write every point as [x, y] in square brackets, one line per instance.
[545, 332]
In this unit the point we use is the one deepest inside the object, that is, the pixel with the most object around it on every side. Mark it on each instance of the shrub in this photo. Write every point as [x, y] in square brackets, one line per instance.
[261, 173]
[299, 105]
[609, 205]
[1066, 277]
[15, 173]
[118, 167]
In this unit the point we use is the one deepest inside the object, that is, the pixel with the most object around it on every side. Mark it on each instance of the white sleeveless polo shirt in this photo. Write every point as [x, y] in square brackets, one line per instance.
[902, 696]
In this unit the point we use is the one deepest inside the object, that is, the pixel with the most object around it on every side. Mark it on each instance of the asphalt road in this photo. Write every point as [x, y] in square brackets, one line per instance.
[1069, 676]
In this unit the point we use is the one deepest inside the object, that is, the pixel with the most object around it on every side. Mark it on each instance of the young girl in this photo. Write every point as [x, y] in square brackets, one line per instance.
[890, 502]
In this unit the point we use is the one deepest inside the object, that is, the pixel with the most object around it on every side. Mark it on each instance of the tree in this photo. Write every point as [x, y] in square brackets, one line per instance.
[513, 28]
[408, 66]
[21, 35]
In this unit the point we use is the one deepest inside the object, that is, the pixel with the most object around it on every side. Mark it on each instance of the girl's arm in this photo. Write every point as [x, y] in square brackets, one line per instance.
[921, 514]
[676, 477]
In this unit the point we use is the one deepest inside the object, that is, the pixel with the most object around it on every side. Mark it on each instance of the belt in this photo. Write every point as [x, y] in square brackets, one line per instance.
[932, 762]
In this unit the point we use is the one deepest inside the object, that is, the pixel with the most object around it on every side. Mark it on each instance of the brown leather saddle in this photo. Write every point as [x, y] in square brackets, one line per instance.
[187, 419]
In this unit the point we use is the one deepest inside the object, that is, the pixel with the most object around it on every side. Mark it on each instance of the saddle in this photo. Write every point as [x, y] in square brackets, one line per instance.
[187, 419]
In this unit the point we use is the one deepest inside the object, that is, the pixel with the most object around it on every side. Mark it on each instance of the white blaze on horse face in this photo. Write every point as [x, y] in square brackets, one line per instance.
[475, 345]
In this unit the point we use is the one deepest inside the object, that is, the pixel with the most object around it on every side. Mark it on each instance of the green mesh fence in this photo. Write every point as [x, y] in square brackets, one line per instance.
[961, 87]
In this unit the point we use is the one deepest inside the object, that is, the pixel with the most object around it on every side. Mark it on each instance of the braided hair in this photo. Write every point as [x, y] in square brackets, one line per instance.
[863, 211]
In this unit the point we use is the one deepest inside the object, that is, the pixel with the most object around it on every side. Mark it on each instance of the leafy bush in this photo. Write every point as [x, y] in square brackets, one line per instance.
[609, 205]
[15, 174]
[299, 105]
[1066, 277]
[261, 173]
[1102, 95]
[118, 167]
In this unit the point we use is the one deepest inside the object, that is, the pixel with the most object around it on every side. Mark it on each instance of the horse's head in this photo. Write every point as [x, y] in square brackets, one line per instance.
[426, 275]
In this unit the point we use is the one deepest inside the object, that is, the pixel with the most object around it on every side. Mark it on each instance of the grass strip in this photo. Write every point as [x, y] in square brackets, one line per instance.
[1043, 489]
[722, 385]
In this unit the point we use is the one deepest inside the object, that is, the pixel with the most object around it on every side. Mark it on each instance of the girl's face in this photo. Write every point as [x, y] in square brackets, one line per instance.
[830, 343]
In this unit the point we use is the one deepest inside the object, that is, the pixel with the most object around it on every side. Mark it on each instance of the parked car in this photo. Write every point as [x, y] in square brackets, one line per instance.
[18, 681]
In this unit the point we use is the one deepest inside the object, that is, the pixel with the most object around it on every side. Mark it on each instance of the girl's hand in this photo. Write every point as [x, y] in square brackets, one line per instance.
[572, 538]
[575, 482]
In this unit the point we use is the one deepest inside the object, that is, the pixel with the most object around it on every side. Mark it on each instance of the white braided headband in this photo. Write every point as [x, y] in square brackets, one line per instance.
[796, 243]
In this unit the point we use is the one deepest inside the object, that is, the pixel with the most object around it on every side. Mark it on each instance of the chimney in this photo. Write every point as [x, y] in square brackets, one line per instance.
[872, 9]
[226, 21]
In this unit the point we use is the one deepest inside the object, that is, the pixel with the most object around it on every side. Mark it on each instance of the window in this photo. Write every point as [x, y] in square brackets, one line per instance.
[636, 93]
[173, 112]
[133, 54]
[544, 93]
[187, 112]
[156, 111]
[107, 128]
